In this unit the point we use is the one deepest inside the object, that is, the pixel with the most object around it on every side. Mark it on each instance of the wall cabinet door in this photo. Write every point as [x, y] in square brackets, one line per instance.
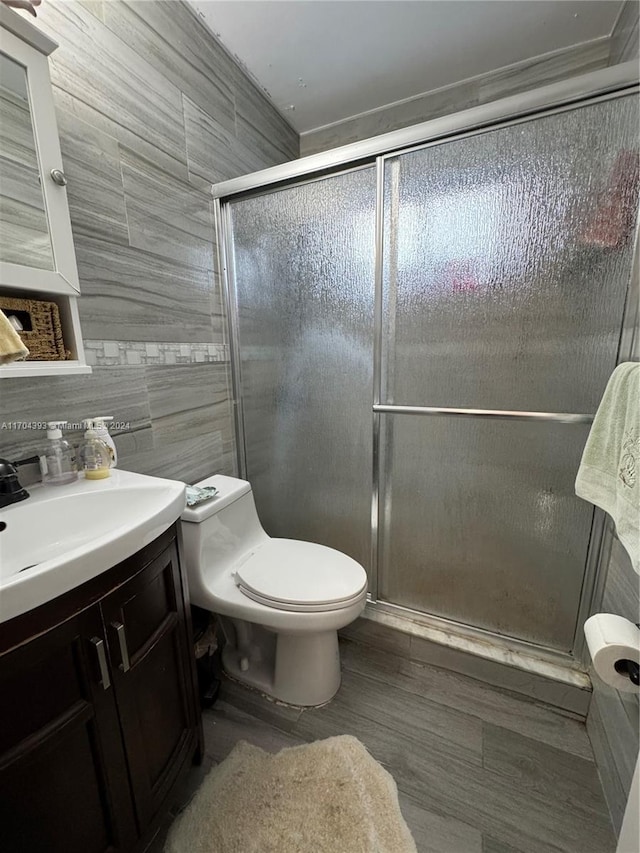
[152, 677]
[64, 786]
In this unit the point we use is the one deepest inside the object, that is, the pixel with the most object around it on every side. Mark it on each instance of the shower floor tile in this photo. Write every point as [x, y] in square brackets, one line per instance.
[478, 770]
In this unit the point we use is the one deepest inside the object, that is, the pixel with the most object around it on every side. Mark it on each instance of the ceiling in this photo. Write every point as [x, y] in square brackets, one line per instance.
[322, 61]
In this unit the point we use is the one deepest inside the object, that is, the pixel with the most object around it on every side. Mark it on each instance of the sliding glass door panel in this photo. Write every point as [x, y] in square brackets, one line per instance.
[304, 277]
[481, 523]
[507, 260]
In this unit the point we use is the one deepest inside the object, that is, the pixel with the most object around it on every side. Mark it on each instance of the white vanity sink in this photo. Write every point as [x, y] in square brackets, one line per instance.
[62, 536]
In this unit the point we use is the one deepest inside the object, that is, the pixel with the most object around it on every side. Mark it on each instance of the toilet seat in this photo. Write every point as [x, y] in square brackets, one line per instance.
[288, 574]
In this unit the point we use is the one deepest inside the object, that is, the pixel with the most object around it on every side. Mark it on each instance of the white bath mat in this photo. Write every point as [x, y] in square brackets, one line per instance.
[330, 796]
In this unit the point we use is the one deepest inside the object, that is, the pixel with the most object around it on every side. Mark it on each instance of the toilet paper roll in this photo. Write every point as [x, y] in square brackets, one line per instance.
[612, 639]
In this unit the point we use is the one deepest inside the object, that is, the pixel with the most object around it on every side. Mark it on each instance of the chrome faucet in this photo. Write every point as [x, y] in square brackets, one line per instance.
[10, 489]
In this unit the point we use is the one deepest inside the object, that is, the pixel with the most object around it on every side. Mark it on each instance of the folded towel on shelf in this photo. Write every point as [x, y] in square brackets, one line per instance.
[12, 347]
[199, 494]
[609, 473]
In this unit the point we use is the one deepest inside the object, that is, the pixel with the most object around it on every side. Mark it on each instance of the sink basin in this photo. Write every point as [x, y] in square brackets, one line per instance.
[62, 536]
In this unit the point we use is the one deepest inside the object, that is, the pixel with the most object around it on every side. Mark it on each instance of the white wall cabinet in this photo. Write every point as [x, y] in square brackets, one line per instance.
[37, 258]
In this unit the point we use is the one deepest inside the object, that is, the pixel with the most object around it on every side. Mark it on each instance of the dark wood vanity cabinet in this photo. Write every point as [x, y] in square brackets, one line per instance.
[99, 714]
[63, 777]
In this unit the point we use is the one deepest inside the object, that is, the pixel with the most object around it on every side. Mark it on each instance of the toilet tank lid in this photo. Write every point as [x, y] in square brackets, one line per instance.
[229, 490]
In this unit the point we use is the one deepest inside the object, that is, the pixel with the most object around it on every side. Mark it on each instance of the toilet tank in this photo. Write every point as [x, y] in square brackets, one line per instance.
[222, 532]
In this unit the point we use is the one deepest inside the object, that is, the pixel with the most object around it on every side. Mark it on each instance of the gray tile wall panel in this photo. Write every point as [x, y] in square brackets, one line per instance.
[520, 77]
[94, 190]
[118, 391]
[146, 100]
[213, 153]
[625, 41]
[170, 38]
[614, 791]
[613, 723]
[166, 217]
[130, 294]
[100, 70]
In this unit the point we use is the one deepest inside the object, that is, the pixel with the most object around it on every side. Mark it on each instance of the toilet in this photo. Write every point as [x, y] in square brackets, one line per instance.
[280, 602]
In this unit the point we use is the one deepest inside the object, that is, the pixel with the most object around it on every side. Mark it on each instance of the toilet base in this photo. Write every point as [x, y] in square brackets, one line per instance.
[299, 669]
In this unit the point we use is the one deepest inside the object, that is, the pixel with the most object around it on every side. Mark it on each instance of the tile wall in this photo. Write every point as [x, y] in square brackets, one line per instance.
[151, 111]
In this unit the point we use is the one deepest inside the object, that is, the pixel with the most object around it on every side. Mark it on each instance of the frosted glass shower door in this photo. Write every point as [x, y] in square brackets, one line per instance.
[507, 260]
[304, 262]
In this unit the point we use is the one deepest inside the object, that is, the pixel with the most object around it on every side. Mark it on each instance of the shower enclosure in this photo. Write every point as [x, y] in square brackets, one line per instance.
[422, 333]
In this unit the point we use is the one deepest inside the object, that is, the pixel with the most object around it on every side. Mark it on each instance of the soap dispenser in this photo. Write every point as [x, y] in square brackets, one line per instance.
[102, 431]
[94, 454]
[58, 462]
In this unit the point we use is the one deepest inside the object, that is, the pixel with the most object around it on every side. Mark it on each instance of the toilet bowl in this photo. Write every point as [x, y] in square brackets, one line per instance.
[280, 602]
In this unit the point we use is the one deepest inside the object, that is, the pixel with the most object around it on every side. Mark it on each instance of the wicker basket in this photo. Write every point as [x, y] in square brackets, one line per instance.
[44, 341]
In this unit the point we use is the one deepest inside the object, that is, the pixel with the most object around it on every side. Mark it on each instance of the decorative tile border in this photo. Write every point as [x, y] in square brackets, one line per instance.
[108, 353]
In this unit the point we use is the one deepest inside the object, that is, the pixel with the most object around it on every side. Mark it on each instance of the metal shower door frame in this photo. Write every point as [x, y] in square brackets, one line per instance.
[567, 95]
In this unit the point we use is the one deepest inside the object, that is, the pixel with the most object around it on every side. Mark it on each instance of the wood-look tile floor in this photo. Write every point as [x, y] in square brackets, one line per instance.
[478, 770]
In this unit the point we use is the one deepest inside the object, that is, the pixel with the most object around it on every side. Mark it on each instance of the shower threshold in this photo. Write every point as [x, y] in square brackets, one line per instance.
[542, 674]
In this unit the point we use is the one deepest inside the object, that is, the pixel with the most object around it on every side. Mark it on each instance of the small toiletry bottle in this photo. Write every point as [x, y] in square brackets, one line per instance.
[102, 431]
[94, 455]
[58, 462]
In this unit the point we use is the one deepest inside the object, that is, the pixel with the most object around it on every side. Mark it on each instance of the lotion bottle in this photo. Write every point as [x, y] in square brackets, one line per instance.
[102, 431]
[94, 454]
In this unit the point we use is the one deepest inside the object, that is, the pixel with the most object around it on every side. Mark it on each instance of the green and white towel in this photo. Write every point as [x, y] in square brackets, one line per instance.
[609, 473]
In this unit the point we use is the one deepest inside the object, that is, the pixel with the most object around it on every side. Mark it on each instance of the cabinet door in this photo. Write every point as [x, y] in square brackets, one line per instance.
[63, 776]
[151, 652]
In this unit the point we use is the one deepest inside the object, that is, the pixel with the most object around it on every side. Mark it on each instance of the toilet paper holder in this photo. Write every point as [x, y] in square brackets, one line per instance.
[630, 668]
[614, 645]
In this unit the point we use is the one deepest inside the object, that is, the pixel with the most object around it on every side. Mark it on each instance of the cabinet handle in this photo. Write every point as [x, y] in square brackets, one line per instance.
[98, 644]
[125, 666]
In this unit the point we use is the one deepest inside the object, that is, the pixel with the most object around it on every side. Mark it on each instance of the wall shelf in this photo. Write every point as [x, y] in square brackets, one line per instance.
[43, 368]
[72, 336]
